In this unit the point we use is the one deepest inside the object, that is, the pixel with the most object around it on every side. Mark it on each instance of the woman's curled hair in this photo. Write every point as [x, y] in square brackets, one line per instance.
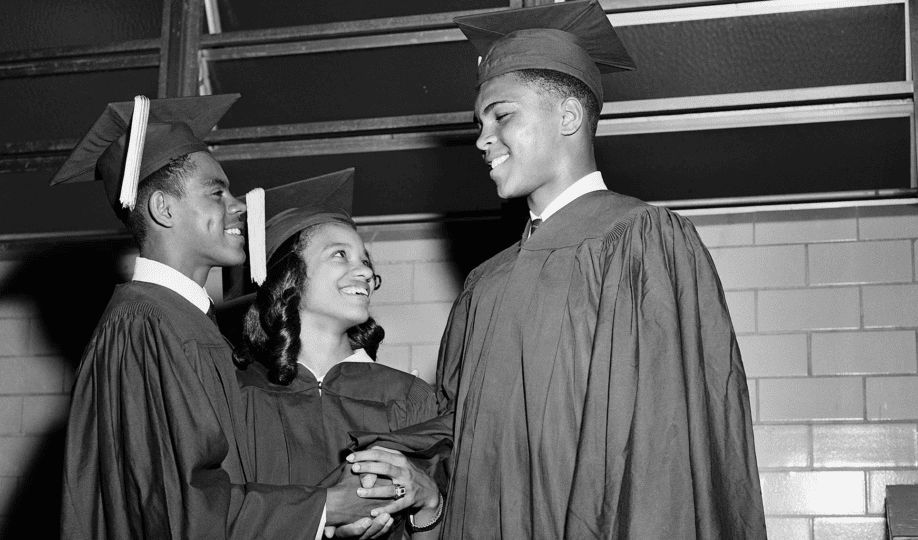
[271, 329]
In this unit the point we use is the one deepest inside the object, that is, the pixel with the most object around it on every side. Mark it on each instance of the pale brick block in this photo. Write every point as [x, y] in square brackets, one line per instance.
[17, 306]
[429, 249]
[424, 359]
[788, 528]
[33, 375]
[742, 310]
[889, 222]
[436, 282]
[892, 398]
[44, 414]
[10, 415]
[40, 343]
[760, 267]
[413, 323]
[396, 286]
[876, 487]
[860, 262]
[865, 445]
[753, 398]
[8, 489]
[890, 305]
[839, 398]
[395, 356]
[830, 493]
[17, 454]
[725, 230]
[774, 355]
[808, 309]
[798, 227]
[849, 528]
[14, 337]
[782, 446]
[853, 353]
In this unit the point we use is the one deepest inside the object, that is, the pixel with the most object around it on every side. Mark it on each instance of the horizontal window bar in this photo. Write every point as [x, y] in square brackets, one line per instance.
[78, 65]
[804, 114]
[434, 21]
[744, 9]
[133, 46]
[335, 44]
[900, 89]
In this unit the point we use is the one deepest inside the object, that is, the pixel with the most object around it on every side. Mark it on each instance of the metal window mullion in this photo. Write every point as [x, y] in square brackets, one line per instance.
[911, 15]
[78, 65]
[869, 91]
[805, 114]
[734, 10]
[335, 45]
[181, 35]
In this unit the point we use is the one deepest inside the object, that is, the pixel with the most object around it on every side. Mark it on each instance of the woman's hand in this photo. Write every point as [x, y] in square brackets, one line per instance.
[420, 490]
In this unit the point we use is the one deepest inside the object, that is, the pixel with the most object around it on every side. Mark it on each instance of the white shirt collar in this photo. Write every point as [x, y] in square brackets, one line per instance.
[587, 184]
[359, 355]
[150, 271]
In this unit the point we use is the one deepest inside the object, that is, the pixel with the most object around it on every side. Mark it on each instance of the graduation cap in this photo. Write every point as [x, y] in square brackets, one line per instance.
[276, 214]
[132, 140]
[575, 38]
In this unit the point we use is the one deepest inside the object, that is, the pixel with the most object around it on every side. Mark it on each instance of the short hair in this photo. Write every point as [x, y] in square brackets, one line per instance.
[557, 86]
[170, 178]
[271, 329]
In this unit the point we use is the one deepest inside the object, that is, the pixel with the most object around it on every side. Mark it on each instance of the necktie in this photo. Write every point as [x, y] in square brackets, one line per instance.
[212, 314]
[534, 225]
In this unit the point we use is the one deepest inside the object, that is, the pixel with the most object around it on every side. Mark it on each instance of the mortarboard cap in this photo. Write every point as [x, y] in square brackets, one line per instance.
[575, 38]
[174, 127]
[276, 214]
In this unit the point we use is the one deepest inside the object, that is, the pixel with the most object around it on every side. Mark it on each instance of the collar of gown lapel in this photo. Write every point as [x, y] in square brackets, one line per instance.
[576, 221]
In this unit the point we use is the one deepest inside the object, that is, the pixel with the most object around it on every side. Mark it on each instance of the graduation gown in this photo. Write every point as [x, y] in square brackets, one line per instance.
[298, 433]
[155, 442]
[597, 386]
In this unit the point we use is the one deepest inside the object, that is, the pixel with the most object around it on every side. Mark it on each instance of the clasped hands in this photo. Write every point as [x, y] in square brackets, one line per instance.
[372, 478]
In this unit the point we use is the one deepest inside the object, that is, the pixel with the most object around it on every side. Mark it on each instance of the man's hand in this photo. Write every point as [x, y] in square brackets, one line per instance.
[420, 490]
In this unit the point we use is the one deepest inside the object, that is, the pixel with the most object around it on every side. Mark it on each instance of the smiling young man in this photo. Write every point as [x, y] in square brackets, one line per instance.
[156, 435]
[591, 370]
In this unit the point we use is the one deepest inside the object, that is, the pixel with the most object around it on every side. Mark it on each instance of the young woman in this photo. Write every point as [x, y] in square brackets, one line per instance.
[309, 347]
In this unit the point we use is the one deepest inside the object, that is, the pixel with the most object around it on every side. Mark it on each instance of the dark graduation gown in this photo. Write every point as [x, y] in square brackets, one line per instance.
[298, 433]
[156, 438]
[597, 386]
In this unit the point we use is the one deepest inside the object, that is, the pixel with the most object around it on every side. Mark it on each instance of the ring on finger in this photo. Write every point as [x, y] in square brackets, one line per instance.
[400, 491]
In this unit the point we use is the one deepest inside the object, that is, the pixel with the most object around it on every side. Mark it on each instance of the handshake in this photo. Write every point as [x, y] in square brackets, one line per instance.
[374, 487]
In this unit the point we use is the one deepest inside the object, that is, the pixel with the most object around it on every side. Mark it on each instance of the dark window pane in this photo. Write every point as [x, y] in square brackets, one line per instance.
[372, 83]
[65, 106]
[772, 160]
[246, 15]
[764, 52]
[29, 205]
[449, 179]
[33, 24]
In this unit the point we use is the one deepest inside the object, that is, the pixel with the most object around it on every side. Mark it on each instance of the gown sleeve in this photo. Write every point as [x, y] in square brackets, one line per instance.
[147, 448]
[666, 445]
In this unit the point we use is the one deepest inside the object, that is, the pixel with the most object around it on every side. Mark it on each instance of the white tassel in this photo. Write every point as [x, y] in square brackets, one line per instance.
[135, 152]
[255, 224]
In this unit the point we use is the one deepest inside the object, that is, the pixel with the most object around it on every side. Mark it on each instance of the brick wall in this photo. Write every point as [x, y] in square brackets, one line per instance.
[825, 306]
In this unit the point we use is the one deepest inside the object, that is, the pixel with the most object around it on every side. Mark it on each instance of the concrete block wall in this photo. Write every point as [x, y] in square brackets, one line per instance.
[825, 306]
[824, 303]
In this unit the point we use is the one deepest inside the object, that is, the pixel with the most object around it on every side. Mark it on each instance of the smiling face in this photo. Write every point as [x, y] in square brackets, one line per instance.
[208, 219]
[339, 279]
[520, 137]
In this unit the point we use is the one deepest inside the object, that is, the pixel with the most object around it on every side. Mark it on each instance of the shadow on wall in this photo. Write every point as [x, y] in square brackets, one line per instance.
[473, 242]
[68, 286]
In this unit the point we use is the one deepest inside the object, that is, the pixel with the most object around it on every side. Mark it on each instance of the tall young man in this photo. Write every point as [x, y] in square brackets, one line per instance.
[592, 368]
[156, 436]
